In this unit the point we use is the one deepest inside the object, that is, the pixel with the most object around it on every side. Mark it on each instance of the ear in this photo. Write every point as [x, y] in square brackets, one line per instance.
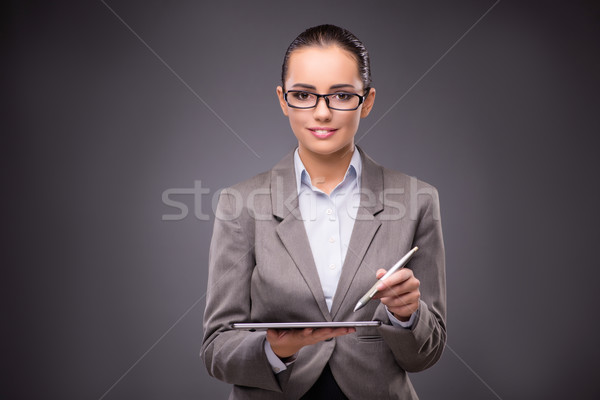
[282, 103]
[368, 103]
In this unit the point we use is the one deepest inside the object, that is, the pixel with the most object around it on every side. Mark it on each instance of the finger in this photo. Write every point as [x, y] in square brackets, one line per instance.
[337, 332]
[322, 333]
[345, 331]
[410, 286]
[307, 332]
[396, 290]
[396, 278]
[407, 300]
[399, 307]
[342, 331]
[404, 311]
[380, 272]
[327, 333]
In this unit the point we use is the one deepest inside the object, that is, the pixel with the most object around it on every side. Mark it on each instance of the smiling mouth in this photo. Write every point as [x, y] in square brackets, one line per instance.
[322, 133]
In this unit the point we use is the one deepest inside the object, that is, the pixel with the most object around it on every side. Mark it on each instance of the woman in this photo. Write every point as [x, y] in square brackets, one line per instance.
[305, 240]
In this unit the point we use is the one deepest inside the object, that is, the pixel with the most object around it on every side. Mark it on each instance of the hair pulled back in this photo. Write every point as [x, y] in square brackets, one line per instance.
[327, 35]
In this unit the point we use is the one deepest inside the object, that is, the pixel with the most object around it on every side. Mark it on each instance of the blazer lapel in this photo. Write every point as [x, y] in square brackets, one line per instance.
[365, 226]
[291, 231]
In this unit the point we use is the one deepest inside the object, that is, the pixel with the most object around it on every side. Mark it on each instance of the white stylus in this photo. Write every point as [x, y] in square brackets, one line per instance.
[369, 295]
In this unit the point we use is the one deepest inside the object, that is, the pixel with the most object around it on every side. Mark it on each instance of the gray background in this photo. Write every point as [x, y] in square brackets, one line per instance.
[104, 298]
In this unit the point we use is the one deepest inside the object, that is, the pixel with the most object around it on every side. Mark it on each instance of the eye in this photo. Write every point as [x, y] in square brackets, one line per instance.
[343, 96]
[301, 96]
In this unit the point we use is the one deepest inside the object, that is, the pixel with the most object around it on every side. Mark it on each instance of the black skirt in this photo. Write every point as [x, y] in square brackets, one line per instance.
[325, 388]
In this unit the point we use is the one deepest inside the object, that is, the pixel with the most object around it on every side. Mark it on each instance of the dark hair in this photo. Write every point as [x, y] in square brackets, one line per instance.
[327, 35]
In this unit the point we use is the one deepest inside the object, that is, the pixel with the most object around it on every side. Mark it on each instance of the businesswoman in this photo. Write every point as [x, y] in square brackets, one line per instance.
[305, 240]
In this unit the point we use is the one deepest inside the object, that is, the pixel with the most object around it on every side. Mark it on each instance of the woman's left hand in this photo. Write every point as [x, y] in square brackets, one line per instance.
[399, 292]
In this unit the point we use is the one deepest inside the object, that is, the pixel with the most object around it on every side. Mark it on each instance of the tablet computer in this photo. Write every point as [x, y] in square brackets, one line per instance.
[258, 326]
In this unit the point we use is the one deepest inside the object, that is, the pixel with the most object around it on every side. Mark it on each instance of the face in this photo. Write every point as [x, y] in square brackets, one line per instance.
[323, 70]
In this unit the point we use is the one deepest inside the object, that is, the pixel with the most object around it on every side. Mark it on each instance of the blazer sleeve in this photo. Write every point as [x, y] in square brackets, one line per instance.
[236, 357]
[419, 347]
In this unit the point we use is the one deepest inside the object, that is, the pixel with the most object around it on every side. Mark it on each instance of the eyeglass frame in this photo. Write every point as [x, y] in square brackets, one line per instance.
[361, 99]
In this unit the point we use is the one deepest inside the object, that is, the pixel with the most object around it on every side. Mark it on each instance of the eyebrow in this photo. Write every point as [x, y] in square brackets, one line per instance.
[338, 86]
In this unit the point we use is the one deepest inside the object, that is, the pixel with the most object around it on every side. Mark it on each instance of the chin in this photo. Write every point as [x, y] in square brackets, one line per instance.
[327, 148]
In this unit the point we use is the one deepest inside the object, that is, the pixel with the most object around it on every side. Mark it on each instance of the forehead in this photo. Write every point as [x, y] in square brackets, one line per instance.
[322, 67]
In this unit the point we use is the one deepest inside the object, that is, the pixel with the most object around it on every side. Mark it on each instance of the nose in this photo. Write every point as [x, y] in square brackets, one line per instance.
[321, 111]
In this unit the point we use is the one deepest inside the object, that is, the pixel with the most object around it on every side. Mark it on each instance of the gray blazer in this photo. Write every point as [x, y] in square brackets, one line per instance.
[261, 269]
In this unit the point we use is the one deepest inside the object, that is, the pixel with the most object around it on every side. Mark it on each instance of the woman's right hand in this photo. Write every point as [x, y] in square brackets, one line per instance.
[287, 342]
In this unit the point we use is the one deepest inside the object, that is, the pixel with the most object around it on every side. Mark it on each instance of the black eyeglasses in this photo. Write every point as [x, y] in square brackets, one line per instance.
[342, 101]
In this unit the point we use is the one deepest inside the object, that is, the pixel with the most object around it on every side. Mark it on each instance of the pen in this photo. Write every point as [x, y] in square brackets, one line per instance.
[400, 264]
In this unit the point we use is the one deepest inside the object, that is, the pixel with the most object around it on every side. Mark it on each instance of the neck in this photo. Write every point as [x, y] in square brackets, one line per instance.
[327, 171]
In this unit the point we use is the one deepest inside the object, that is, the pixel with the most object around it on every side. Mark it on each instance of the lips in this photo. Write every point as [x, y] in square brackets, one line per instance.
[322, 132]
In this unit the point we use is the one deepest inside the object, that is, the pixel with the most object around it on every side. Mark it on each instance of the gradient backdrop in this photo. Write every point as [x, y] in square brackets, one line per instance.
[108, 105]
